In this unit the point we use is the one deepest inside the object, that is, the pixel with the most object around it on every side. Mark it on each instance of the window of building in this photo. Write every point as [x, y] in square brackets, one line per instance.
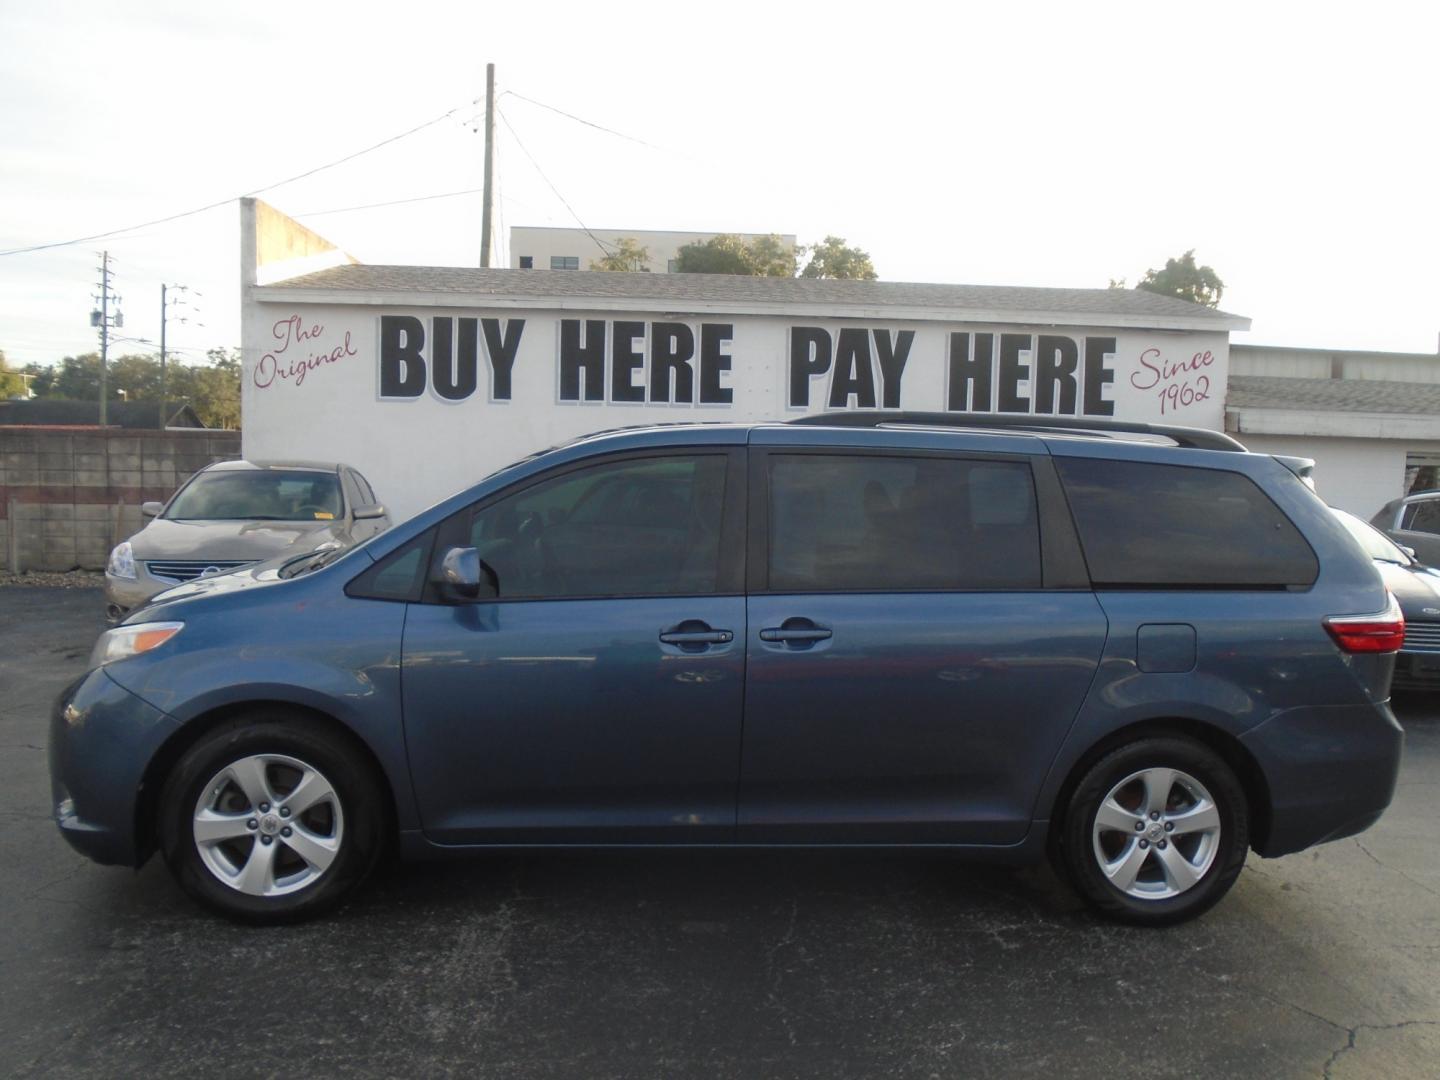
[884, 523]
[647, 527]
[527, 262]
[671, 266]
[1174, 526]
[564, 262]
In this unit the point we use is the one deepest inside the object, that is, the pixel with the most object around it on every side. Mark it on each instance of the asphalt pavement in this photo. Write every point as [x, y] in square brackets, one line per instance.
[707, 965]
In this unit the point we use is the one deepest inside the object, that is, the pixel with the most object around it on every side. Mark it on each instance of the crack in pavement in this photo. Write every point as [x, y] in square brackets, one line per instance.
[1418, 884]
[1354, 1033]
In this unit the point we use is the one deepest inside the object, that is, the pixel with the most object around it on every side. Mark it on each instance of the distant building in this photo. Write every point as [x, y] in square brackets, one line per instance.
[538, 248]
[1371, 420]
[54, 412]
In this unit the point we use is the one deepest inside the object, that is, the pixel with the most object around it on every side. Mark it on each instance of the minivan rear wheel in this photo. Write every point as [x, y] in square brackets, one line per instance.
[1156, 831]
[271, 819]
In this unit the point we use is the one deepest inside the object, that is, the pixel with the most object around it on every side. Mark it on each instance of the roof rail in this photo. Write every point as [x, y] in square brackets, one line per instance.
[1188, 437]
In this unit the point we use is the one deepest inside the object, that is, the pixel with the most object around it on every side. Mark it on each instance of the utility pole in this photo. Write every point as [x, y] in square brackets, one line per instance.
[489, 196]
[165, 306]
[164, 311]
[103, 320]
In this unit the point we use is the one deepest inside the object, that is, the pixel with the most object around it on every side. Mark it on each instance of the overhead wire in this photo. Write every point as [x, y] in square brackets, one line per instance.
[243, 195]
[524, 150]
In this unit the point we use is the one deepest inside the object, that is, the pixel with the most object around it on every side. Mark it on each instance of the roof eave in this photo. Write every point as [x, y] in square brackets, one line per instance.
[281, 294]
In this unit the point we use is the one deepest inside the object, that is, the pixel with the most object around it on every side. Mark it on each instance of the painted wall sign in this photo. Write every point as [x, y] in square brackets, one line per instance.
[386, 389]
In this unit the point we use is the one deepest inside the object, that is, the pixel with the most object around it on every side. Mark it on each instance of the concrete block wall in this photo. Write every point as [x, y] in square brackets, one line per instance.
[69, 495]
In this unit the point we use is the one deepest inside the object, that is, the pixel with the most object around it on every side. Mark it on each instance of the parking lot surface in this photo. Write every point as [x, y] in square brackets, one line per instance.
[699, 964]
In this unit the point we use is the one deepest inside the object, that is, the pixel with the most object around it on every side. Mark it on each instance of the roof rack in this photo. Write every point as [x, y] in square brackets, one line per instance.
[1188, 437]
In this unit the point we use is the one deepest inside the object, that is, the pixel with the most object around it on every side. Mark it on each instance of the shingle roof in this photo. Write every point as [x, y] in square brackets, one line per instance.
[1333, 395]
[58, 412]
[677, 289]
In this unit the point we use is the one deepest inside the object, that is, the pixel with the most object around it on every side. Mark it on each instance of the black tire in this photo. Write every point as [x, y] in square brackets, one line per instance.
[355, 811]
[1078, 847]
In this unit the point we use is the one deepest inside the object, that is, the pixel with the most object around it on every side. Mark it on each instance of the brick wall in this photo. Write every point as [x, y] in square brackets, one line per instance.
[68, 495]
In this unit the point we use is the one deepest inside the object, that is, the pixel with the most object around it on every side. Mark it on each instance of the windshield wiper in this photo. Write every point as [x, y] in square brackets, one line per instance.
[313, 560]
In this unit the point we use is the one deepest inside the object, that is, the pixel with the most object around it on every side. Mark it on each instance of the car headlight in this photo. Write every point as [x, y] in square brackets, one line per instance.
[126, 641]
[122, 561]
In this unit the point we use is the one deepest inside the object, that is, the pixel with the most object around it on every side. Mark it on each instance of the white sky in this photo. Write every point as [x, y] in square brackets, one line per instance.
[1294, 146]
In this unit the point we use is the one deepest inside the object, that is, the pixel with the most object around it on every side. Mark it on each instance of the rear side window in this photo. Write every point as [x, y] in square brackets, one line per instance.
[1422, 516]
[883, 523]
[1168, 525]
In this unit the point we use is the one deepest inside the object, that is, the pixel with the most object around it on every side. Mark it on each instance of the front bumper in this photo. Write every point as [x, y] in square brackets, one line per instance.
[1417, 671]
[1331, 771]
[102, 738]
[123, 595]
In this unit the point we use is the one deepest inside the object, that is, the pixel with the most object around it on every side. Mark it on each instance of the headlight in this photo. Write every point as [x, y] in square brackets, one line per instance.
[127, 641]
[122, 561]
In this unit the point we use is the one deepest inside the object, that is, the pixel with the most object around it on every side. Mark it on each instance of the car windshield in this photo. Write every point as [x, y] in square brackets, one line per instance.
[262, 495]
[1375, 543]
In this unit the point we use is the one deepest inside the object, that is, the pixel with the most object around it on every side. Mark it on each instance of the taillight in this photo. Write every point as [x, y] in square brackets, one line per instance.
[1384, 632]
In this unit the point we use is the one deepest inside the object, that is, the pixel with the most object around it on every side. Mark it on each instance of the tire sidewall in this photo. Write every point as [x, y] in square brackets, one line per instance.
[347, 771]
[1173, 752]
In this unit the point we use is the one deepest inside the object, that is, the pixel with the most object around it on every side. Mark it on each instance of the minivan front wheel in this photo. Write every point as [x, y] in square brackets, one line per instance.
[270, 819]
[1156, 831]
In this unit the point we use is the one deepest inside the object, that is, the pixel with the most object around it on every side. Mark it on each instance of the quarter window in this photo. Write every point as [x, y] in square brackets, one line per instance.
[1170, 525]
[860, 523]
[644, 527]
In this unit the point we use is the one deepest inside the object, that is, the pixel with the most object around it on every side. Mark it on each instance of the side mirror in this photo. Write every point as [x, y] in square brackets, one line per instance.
[464, 575]
[151, 509]
[1408, 551]
[372, 510]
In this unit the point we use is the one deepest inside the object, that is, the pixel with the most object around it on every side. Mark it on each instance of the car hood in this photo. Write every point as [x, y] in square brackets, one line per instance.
[231, 541]
[1418, 591]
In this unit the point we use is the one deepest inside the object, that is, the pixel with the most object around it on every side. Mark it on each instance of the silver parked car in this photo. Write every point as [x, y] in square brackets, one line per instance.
[1413, 522]
[234, 514]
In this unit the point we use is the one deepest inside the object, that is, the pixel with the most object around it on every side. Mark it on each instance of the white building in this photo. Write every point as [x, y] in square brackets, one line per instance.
[428, 378]
[1370, 420]
[540, 248]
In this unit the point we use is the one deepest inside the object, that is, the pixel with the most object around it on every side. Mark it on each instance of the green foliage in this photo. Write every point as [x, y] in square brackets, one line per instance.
[723, 254]
[765, 256]
[833, 258]
[11, 384]
[1182, 278]
[770, 256]
[628, 257]
[211, 388]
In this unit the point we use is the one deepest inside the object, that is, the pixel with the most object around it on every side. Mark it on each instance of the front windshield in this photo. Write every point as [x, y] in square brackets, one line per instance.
[261, 495]
[1371, 539]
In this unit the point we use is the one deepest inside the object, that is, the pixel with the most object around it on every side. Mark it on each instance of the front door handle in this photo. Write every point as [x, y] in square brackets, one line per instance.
[697, 637]
[796, 632]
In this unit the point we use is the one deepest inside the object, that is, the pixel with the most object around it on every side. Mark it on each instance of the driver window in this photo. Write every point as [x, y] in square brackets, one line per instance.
[645, 527]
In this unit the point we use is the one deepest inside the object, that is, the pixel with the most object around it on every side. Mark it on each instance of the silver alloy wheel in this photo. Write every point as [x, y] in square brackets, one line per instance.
[268, 824]
[1156, 833]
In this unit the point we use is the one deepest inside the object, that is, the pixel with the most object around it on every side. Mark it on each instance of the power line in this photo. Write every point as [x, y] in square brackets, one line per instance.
[391, 202]
[520, 143]
[243, 195]
[582, 120]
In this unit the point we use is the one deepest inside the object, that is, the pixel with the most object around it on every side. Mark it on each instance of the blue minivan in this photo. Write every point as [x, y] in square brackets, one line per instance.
[1139, 650]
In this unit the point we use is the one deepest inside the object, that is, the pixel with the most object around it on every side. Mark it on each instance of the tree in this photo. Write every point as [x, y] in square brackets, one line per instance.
[1182, 278]
[770, 256]
[833, 258]
[723, 254]
[628, 257]
[11, 384]
[211, 388]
